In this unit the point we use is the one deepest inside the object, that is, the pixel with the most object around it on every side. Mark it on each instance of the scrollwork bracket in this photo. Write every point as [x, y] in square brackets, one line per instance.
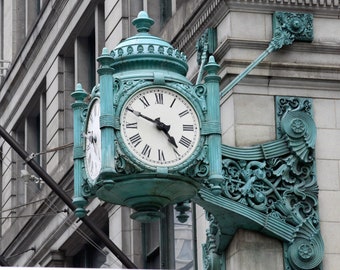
[271, 188]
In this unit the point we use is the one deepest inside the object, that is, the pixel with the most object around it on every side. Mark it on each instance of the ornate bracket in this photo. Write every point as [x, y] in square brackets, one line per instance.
[271, 188]
[289, 27]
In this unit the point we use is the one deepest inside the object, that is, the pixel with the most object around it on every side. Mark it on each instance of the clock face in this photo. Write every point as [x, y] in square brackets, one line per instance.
[159, 127]
[93, 141]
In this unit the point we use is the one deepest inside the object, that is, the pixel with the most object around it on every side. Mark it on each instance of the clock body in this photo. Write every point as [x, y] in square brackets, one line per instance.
[93, 141]
[159, 127]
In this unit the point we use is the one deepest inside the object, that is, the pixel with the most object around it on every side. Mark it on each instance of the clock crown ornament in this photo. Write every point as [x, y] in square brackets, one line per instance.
[145, 53]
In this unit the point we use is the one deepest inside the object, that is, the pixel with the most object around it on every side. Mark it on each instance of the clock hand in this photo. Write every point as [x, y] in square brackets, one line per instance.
[160, 125]
[171, 139]
[176, 153]
[138, 114]
[165, 128]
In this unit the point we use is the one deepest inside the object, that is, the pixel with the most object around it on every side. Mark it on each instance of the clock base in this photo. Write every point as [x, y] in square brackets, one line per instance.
[147, 194]
[147, 216]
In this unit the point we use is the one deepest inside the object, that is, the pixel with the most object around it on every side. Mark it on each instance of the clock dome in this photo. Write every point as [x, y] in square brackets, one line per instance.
[145, 54]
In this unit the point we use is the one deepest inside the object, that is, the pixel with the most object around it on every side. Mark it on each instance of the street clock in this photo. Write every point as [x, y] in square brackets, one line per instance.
[145, 140]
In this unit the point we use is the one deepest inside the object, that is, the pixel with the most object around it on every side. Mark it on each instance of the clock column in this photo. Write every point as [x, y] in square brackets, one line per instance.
[107, 115]
[78, 153]
[214, 125]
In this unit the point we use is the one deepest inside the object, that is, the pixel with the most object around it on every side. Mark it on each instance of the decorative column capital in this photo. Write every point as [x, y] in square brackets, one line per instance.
[105, 60]
[79, 94]
[212, 68]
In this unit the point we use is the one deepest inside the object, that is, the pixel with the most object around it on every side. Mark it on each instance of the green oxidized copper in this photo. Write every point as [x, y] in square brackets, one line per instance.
[107, 117]
[136, 63]
[269, 187]
[146, 54]
[213, 124]
[78, 152]
[272, 188]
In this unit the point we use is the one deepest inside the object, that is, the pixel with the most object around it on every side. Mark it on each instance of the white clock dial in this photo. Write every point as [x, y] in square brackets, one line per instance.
[160, 127]
[93, 141]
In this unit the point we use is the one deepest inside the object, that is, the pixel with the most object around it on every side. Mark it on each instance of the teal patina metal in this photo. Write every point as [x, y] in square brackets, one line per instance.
[212, 81]
[78, 151]
[270, 187]
[107, 118]
[146, 63]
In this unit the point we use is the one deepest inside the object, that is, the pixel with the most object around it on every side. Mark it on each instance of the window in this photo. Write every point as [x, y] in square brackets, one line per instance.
[89, 251]
[89, 257]
[1, 172]
[184, 242]
[30, 133]
[165, 11]
[85, 60]
[151, 245]
[168, 243]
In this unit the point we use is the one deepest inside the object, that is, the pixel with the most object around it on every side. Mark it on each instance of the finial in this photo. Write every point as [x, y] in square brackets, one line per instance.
[79, 94]
[211, 67]
[143, 22]
[105, 51]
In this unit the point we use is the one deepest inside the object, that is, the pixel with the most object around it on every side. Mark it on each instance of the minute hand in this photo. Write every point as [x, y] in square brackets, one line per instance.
[141, 115]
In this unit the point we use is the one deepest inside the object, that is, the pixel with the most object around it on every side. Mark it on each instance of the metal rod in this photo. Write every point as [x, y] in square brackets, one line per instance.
[249, 68]
[68, 201]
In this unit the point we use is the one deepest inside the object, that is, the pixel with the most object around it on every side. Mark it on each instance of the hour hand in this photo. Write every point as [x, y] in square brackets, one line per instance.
[171, 140]
[165, 128]
[161, 126]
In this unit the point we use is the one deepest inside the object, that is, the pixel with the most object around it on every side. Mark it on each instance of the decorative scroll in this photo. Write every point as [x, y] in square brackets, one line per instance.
[199, 169]
[211, 260]
[281, 187]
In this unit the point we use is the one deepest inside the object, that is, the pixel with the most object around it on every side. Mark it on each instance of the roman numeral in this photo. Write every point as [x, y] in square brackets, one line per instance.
[144, 101]
[185, 141]
[146, 150]
[172, 103]
[159, 98]
[183, 113]
[135, 139]
[161, 155]
[188, 127]
[131, 125]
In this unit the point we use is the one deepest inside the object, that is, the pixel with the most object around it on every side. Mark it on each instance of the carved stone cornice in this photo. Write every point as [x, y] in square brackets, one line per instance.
[319, 7]
[211, 13]
[208, 15]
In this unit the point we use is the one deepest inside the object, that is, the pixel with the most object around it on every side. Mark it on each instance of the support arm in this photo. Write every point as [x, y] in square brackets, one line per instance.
[287, 27]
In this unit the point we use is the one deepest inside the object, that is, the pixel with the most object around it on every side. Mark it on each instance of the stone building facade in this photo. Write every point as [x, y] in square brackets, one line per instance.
[48, 46]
